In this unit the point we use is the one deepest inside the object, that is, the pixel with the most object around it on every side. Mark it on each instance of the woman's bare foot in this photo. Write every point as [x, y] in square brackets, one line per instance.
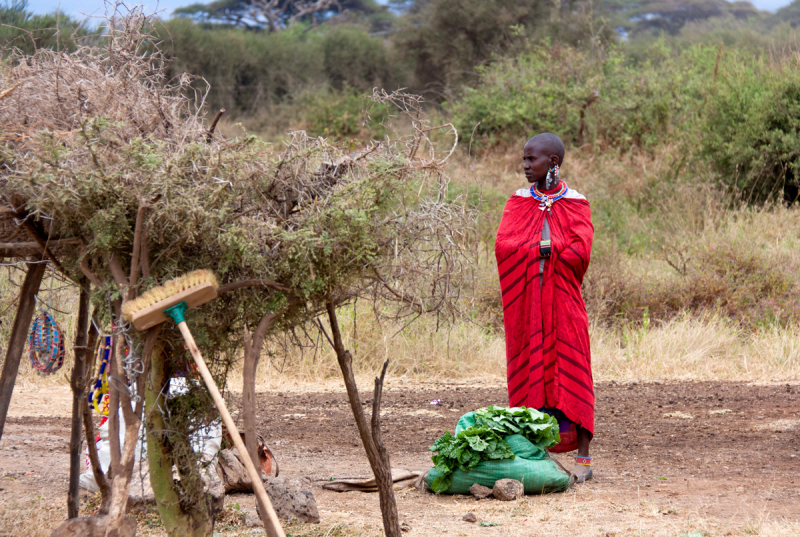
[582, 472]
[583, 468]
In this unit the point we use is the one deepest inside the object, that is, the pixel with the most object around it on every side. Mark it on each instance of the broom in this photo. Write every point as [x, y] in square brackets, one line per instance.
[172, 300]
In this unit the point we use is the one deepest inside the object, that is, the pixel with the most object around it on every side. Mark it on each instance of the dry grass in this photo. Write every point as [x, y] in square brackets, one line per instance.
[35, 516]
[681, 349]
[691, 348]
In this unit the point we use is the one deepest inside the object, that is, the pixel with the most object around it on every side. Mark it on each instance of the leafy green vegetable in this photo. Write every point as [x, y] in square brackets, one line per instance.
[540, 428]
[484, 441]
[464, 451]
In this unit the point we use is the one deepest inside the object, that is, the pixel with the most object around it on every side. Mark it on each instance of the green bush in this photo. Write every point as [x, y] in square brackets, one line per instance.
[446, 39]
[246, 71]
[354, 59]
[250, 71]
[752, 126]
[21, 29]
[341, 115]
[583, 98]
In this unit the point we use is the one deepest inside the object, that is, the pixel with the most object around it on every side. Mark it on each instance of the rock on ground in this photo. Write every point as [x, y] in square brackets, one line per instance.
[232, 472]
[94, 526]
[469, 517]
[292, 499]
[508, 489]
[479, 491]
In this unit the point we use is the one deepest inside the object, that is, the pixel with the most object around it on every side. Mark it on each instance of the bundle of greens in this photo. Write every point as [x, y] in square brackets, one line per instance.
[484, 440]
[539, 428]
[464, 451]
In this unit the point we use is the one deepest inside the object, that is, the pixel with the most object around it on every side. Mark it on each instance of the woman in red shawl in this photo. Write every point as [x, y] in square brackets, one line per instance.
[543, 247]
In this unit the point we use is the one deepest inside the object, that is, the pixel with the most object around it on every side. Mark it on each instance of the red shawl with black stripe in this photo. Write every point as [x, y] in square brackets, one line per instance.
[553, 370]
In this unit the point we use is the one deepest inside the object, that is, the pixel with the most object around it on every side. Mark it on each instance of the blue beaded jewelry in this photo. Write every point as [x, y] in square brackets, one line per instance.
[46, 345]
[547, 200]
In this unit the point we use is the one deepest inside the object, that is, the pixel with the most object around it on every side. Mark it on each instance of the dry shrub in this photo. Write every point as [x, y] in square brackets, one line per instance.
[743, 268]
[119, 78]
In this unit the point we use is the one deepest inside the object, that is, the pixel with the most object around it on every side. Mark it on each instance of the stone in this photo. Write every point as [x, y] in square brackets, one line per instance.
[251, 519]
[479, 491]
[94, 526]
[469, 517]
[233, 473]
[214, 487]
[508, 490]
[292, 499]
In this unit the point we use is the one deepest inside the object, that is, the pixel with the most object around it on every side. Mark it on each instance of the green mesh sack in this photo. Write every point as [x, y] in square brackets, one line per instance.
[531, 466]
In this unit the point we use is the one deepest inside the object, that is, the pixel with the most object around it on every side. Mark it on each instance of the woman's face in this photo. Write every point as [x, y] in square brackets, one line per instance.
[537, 162]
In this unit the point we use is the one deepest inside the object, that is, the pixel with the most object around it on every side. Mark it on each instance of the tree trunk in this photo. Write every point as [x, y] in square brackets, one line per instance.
[177, 521]
[249, 369]
[252, 353]
[77, 382]
[133, 419]
[19, 334]
[377, 454]
[89, 433]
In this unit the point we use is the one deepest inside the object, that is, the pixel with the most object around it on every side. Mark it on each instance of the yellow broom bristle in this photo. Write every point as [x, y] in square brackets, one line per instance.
[170, 288]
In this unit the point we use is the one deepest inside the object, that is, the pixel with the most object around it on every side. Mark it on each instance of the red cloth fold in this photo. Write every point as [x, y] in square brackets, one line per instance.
[553, 371]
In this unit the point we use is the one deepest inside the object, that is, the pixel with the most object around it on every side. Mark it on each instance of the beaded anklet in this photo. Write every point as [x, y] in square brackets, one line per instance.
[585, 461]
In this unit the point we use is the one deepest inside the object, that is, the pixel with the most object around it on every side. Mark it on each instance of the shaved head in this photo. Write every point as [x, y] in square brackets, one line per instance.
[549, 143]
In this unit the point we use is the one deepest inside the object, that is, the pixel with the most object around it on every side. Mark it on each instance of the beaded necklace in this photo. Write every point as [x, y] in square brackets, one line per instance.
[98, 389]
[46, 345]
[547, 200]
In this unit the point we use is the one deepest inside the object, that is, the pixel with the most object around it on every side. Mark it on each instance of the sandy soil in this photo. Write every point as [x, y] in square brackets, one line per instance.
[681, 459]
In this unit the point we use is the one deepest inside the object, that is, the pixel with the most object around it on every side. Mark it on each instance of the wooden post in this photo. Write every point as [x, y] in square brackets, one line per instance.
[77, 382]
[19, 334]
[377, 455]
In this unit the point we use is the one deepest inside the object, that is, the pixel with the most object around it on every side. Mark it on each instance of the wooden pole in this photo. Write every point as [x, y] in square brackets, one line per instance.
[77, 382]
[377, 454]
[19, 334]
[268, 515]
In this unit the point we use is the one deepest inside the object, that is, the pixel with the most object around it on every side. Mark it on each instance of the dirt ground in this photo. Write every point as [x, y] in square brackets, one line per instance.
[684, 459]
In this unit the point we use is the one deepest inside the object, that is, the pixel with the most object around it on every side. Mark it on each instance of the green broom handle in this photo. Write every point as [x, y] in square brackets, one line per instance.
[271, 523]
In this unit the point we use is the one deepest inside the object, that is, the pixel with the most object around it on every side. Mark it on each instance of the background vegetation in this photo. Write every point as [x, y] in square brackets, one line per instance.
[682, 120]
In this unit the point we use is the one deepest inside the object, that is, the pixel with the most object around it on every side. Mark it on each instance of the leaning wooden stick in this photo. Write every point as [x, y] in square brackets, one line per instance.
[172, 300]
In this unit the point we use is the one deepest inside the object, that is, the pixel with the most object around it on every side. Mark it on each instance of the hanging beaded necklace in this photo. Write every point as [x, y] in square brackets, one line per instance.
[547, 200]
[98, 389]
[46, 345]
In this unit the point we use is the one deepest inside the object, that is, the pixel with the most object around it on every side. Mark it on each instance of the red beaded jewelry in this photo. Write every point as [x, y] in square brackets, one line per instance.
[547, 200]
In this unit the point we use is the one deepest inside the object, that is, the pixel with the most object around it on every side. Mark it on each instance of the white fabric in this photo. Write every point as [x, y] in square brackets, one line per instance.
[86, 479]
[207, 440]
